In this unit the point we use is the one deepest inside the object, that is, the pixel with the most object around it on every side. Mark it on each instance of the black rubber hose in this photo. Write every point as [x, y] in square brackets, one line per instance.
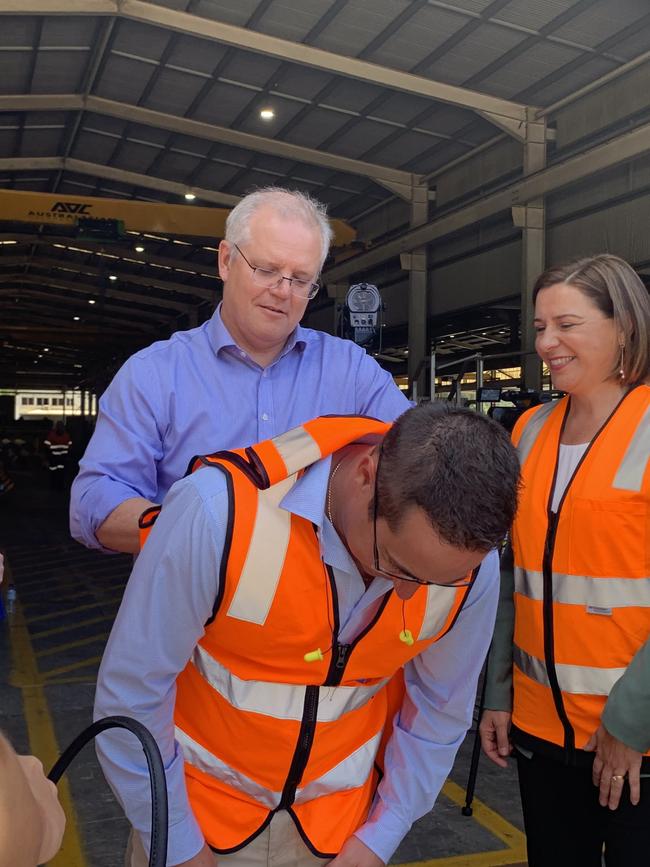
[157, 779]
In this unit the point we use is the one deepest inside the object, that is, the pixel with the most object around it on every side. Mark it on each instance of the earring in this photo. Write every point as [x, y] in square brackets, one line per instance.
[621, 367]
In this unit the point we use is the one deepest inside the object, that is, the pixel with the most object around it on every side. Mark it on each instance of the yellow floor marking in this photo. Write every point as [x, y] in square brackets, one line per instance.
[491, 821]
[42, 740]
[58, 629]
[51, 651]
[73, 666]
[89, 679]
[87, 607]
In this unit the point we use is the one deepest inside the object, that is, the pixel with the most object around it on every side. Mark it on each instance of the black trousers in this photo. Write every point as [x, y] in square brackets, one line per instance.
[566, 826]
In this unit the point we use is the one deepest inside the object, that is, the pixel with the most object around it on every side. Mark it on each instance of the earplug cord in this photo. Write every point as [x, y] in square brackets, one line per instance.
[159, 810]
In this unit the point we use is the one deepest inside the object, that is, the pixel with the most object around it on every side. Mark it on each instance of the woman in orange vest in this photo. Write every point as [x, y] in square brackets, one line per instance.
[569, 673]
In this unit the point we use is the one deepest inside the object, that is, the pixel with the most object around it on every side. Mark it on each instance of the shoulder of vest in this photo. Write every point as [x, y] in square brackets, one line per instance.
[526, 417]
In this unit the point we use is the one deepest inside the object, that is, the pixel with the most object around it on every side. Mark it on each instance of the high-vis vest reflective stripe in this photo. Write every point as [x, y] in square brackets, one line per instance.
[582, 577]
[261, 728]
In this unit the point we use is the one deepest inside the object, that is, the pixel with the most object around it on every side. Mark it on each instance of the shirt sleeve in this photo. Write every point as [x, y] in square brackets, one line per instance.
[120, 461]
[627, 713]
[376, 392]
[168, 598]
[436, 712]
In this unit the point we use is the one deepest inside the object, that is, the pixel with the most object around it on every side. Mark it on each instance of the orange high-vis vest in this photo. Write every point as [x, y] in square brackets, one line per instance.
[261, 728]
[582, 575]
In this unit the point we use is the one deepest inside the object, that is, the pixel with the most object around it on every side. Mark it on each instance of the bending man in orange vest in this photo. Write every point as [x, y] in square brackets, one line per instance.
[263, 633]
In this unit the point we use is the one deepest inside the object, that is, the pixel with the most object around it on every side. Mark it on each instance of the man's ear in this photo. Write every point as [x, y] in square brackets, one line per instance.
[223, 259]
[365, 472]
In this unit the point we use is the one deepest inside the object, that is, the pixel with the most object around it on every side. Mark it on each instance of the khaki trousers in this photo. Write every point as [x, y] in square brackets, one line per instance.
[279, 845]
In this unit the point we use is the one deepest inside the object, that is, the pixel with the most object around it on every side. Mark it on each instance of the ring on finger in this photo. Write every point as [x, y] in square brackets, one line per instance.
[617, 778]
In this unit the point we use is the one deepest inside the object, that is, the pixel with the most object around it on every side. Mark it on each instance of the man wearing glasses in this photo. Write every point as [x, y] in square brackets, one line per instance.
[249, 373]
[308, 614]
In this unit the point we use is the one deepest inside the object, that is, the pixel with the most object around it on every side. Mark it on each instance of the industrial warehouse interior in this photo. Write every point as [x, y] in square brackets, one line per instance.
[459, 147]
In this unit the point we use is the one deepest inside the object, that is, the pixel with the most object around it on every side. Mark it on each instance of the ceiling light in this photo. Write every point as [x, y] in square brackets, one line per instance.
[91, 301]
[189, 197]
[112, 277]
[76, 318]
[40, 356]
[139, 249]
[267, 114]
[45, 349]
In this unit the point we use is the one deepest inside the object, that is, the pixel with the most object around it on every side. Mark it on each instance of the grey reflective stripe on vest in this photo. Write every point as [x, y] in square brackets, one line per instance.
[351, 773]
[532, 429]
[629, 476]
[197, 756]
[583, 590]
[297, 448]
[280, 700]
[440, 601]
[265, 558]
[578, 679]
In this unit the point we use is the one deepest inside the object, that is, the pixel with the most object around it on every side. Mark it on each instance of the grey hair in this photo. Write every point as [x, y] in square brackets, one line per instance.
[291, 204]
[620, 294]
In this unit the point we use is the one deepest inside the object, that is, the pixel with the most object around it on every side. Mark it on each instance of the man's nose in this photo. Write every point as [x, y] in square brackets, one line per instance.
[283, 289]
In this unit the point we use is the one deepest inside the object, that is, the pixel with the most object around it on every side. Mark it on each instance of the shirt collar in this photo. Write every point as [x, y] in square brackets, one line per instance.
[307, 499]
[220, 338]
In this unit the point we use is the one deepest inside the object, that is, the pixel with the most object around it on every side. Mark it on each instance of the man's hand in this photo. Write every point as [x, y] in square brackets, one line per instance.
[356, 854]
[495, 739]
[612, 763]
[47, 802]
[204, 858]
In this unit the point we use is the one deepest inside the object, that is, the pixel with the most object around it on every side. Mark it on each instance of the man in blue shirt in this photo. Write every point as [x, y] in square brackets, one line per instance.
[422, 507]
[247, 374]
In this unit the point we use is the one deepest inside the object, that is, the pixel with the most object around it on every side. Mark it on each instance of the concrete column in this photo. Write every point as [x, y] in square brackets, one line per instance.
[415, 263]
[531, 218]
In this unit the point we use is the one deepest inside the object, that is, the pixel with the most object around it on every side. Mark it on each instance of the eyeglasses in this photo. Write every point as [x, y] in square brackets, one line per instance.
[459, 582]
[271, 278]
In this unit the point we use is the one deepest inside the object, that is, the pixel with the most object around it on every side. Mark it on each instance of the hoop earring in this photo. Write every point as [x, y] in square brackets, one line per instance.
[621, 367]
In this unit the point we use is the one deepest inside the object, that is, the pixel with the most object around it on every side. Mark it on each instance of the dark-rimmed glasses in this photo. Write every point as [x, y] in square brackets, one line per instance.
[459, 582]
[271, 278]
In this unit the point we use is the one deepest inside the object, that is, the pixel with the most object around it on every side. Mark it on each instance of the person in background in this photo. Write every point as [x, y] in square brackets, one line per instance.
[264, 627]
[247, 374]
[568, 679]
[58, 443]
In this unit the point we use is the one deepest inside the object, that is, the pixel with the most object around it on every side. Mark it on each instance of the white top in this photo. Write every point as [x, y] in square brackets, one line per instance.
[567, 463]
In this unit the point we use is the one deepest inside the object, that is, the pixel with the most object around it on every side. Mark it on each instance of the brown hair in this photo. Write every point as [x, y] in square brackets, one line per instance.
[458, 466]
[618, 292]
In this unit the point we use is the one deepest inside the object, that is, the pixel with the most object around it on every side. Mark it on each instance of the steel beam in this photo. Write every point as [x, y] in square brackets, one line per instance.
[94, 248]
[85, 288]
[493, 108]
[396, 181]
[76, 302]
[625, 147]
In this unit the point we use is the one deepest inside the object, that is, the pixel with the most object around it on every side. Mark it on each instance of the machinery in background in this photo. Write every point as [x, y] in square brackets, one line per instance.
[360, 316]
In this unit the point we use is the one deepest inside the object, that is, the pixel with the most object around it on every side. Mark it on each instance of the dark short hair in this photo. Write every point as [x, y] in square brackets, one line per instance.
[458, 466]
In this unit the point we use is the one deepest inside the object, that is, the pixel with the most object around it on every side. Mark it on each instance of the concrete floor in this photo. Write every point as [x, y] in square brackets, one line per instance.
[49, 655]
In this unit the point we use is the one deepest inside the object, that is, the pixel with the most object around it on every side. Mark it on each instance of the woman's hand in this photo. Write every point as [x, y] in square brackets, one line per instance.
[495, 736]
[612, 763]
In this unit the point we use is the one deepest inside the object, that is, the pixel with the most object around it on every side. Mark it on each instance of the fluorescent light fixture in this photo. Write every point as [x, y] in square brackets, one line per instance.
[267, 114]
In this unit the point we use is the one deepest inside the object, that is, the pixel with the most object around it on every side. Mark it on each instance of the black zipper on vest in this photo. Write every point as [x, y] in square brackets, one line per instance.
[303, 747]
[547, 574]
[341, 652]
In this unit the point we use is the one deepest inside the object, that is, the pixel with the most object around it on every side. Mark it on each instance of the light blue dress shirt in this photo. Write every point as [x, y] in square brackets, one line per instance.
[198, 392]
[170, 596]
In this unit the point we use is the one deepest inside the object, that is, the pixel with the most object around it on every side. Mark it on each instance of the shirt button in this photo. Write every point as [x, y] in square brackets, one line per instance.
[265, 417]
